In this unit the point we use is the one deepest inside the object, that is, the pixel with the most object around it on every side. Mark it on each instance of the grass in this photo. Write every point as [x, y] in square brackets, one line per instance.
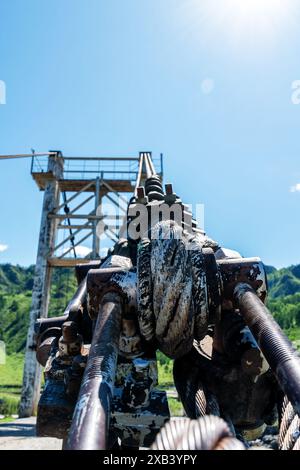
[8, 404]
[165, 371]
[175, 406]
[7, 419]
[10, 384]
[166, 382]
[294, 336]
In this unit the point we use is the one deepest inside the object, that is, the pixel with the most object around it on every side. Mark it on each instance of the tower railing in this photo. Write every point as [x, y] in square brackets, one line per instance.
[107, 168]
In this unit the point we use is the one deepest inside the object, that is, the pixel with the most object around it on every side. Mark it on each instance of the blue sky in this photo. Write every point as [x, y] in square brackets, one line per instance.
[208, 83]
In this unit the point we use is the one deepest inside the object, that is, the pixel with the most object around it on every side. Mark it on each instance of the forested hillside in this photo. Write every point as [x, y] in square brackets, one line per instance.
[284, 299]
[15, 297]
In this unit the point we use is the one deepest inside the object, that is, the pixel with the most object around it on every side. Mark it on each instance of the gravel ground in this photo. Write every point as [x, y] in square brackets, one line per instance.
[20, 435]
[269, 439]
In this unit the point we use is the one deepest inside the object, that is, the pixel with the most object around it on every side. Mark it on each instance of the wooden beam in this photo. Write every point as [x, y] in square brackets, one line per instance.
[74, 185]
[76, 216]
[66, 262]
[75, 227]
[99, 159]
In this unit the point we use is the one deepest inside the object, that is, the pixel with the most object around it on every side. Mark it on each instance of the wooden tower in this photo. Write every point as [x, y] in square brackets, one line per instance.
[67, 181]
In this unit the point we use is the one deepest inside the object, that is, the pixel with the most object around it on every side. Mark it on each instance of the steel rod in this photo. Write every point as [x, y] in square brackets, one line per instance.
[90, 423]
[151, 164]
[139, 175]
[26, 155]
[96, 241]
[75, 304]
[276, 347]
[77, 301]
[90, 216]
[147, 166]
[120, 159]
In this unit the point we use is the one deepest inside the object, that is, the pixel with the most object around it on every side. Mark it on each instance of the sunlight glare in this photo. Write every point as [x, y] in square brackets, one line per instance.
[241, 20]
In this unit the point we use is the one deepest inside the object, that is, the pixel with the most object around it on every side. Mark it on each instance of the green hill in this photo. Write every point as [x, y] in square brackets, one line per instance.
[284, 282]
[15, 299]
[284, 298]
[16, 285]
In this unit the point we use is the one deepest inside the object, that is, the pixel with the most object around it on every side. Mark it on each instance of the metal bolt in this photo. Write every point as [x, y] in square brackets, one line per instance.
[141, 192]
[69, 331]
[169, 189]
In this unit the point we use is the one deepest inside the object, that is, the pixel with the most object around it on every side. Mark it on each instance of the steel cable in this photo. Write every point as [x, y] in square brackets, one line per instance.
[172, 294]
[206, 433]
[289, 433]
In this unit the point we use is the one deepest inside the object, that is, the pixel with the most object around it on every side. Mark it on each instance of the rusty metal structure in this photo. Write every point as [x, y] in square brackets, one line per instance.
[165, 286]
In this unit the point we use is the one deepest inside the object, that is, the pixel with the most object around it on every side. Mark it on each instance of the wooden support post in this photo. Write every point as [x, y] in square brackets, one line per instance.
[41, 286]
[96, 241]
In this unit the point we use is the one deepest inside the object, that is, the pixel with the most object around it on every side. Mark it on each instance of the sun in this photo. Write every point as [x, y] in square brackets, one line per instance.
[242, 20]
[255, 7]
[261, 14]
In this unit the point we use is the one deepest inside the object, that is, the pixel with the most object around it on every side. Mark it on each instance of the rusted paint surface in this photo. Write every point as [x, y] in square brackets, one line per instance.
[71, 342]
[139, 382]
[130, 342]
[110, 279]
[248, 270]
[55, 410]
[139, 428]
[44, 349]
[234, 339]
[62, 382]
